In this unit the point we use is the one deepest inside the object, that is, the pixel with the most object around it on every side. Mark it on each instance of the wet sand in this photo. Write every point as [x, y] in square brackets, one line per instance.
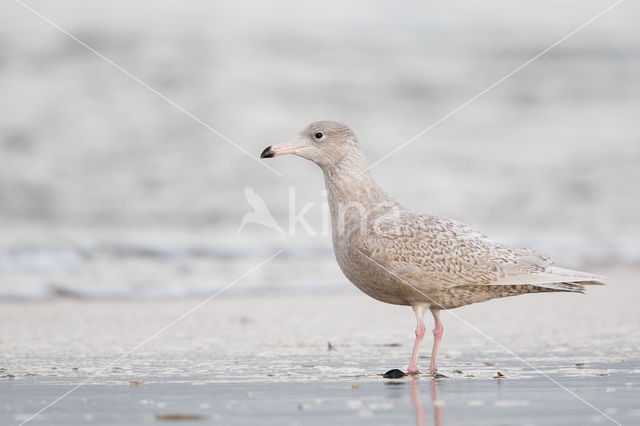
[267, 360]
[331, 401]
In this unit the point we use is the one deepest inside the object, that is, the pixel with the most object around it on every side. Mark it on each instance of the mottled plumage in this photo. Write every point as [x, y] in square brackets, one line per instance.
[402, 256]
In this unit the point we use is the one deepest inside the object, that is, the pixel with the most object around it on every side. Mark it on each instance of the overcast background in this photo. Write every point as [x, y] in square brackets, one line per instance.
[108, 190]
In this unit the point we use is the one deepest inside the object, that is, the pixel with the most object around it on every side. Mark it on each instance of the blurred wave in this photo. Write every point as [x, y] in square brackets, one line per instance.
[91, 160]
[150, 271]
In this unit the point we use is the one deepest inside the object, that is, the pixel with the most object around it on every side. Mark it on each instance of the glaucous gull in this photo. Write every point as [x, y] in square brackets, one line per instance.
[406, 257]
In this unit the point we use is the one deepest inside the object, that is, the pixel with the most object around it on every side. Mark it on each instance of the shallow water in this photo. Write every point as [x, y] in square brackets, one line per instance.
[420, 401]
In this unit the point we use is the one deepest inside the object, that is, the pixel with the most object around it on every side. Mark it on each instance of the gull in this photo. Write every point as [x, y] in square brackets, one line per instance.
[402, 256]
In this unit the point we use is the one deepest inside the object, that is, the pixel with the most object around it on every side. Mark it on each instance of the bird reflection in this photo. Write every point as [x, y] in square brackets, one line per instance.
[414, 385]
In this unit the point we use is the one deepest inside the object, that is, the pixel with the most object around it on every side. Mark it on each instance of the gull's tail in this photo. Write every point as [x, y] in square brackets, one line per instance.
[572, 276]
[556, 279]
[562, 279]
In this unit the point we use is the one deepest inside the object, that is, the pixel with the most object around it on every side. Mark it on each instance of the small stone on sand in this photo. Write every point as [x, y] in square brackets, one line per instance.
[178, 417]
[393, 374]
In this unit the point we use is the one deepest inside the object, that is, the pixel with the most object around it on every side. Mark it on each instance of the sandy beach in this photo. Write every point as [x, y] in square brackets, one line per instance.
[256, 360]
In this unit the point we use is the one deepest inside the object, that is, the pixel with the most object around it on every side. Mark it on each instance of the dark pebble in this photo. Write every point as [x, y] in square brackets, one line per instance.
[457, 371]
[393, 374]
[330, 347]
[440, 376]
[580, 365]
[178, 417]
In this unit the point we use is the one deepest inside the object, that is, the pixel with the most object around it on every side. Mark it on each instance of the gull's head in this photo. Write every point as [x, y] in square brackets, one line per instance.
[323, 142]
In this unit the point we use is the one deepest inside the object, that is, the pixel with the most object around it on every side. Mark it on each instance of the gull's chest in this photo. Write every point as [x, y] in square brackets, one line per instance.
[366, 275]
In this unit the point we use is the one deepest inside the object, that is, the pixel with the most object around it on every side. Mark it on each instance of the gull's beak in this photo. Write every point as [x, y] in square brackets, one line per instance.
[275, 150]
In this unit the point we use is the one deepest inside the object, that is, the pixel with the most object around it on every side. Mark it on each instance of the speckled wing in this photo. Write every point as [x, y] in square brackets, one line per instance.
[431, 252]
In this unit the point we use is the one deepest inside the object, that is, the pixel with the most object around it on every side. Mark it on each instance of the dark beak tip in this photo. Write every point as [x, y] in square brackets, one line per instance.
[267, 153]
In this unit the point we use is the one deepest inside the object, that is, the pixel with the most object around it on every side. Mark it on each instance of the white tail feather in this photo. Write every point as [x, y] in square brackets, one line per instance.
[551, 275]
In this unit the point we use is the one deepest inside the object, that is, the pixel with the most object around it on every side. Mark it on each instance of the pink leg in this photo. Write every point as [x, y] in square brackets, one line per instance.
[413, 365]
[437, 336]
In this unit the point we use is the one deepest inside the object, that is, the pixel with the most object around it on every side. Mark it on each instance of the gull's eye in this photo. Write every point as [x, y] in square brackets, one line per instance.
[319, 135]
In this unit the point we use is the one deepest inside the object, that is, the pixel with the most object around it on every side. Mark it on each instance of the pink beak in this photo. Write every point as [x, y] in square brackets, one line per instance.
[275, 150]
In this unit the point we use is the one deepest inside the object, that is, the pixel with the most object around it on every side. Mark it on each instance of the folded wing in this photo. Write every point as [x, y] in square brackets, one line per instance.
[433, 252]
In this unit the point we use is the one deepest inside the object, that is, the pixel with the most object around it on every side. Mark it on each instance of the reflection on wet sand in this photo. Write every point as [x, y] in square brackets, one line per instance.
[417, 403]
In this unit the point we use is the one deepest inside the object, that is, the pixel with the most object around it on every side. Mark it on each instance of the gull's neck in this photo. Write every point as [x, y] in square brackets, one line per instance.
[349, 180]
[352, 192]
